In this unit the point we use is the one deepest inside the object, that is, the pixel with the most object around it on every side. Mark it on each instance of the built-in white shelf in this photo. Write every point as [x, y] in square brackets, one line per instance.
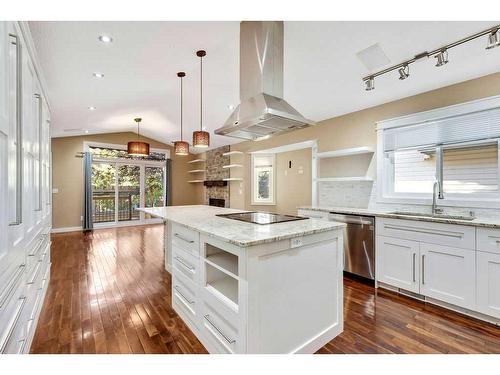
[196, 161]
[197, 171]
[232, 179]
[346, 152]
[232, 166]
[232, 153]
[333, 179]
[226, 289]
[225, 262]
[195, 181]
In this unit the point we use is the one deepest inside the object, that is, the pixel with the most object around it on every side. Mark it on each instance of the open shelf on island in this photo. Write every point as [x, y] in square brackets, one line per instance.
[232, 153]
[232, 166]
[223, 286]
[346, 152]
[223, 260]
[197, 171]
[333, 179]
[196, 161]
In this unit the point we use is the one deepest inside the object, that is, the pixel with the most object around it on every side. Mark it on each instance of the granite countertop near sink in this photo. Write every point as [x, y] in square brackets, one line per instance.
[202, 219]
[480, 221]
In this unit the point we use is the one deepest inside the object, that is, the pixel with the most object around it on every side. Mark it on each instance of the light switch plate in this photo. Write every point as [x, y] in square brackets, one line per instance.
[296, 242]
[55, 190]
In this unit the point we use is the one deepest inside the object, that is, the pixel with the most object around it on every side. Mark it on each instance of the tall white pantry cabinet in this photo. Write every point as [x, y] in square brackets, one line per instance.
[25, 189]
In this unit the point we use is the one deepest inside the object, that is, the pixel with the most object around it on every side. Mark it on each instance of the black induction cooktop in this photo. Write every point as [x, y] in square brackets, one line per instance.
[261, 217]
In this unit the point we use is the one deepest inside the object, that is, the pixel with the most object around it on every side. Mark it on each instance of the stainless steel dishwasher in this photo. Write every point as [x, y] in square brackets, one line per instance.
[359, 244]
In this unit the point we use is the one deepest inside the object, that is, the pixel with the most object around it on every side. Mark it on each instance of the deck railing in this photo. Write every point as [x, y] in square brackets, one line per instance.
[103, 206]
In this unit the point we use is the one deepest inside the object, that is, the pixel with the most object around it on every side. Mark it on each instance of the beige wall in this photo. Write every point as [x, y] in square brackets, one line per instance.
[67, 175]
[353, 130]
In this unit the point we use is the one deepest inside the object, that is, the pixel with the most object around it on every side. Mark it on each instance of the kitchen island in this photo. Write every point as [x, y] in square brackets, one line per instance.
[251, 288]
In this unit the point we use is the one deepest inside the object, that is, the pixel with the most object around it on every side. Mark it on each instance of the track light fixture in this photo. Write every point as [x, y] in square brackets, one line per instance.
[440, 54]
[370, 84]
[404, 72]
[493, 39]
[441, 58]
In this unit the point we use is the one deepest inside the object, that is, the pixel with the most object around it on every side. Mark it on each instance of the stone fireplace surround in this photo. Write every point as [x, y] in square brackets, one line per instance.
[214, 172]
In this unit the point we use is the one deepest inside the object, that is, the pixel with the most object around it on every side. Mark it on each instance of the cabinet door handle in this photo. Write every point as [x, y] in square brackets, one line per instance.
[183, 262]
[8, 333]
[14, 40]
[183, 296]
[39, 98]
[35, 275]
[230, 341]
[414, 276]
[423, 269]
[182, 238]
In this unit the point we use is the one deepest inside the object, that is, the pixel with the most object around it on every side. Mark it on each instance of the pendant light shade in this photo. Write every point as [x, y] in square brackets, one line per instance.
[181, 147]
[201, 138]
[138, 148]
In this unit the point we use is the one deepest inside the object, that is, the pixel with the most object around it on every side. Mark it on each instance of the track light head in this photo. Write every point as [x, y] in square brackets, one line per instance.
[493, 40]
[370, 84]
[441, 58]
[404, 72]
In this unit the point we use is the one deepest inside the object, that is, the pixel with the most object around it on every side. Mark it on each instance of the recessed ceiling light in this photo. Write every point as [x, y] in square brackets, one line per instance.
[92, 108]
[86, 131]
[98, 75]
[105, 38]
[230, 107]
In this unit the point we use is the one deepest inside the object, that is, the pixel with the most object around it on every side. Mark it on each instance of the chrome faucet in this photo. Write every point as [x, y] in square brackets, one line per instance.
[436, 194]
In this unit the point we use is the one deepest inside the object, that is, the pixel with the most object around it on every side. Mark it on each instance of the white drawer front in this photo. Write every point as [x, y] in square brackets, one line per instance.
[313, 214]
[442, 234]
[185, 299]
[186, 239]
[219, 326]
[185, 263]
[488, 240]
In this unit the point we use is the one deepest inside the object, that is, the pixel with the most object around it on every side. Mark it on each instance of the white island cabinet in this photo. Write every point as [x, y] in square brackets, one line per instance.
[249, 288]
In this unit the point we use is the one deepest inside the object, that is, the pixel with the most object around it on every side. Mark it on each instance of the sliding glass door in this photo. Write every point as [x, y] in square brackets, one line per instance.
[119, 188]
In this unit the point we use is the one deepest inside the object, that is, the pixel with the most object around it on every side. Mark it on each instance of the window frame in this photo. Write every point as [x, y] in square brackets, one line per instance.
[385, 174]
[272, 189]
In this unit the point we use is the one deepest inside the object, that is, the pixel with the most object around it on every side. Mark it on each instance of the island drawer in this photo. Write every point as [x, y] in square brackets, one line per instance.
[220, 326]
[488, 240]
[186, 239]
[185, 263]
[442, 234]
[185, 299]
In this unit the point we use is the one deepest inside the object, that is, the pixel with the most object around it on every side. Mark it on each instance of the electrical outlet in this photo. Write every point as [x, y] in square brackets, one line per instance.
[296, 242]
[81, 218]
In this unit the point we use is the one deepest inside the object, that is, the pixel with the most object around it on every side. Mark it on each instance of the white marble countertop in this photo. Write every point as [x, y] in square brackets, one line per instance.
[481, 221]
[202, 219]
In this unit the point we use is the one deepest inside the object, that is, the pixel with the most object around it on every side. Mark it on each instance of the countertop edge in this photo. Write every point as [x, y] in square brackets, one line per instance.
[483, 223]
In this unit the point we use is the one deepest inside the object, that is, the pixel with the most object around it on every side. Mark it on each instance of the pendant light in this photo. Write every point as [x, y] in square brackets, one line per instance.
[201, 138]
[181, 147]
[138, 148]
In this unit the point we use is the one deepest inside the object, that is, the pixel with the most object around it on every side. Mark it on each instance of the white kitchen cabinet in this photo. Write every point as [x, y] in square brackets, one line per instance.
[24, 190]
[448, 274]
[488, 283]
[397, 262]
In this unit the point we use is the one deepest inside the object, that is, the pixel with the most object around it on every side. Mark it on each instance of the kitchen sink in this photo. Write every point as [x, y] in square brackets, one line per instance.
[434, 216]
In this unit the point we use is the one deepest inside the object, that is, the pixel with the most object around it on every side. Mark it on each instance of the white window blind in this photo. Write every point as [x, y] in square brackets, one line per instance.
[473, 126]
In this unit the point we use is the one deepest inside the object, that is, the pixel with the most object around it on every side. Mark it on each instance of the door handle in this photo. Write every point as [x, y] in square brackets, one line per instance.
[423, 269]
[414, 258]
[19, 135]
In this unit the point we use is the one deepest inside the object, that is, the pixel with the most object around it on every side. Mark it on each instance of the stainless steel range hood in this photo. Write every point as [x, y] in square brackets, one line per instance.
[262, 111]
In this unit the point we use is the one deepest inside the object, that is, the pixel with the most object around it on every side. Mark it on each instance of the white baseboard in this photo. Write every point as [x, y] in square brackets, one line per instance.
[66, 229]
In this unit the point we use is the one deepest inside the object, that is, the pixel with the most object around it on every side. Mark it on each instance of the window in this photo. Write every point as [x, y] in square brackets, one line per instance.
[457, 146]
[263, 179]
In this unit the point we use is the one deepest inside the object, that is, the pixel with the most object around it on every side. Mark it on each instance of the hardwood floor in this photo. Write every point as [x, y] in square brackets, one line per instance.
[109, 293]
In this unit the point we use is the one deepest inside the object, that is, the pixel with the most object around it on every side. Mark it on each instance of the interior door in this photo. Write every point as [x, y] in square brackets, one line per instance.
[448, 274]
[397, 263]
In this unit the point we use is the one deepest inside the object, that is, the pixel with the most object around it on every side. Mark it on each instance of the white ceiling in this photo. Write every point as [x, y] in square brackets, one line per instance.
[322, 73]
